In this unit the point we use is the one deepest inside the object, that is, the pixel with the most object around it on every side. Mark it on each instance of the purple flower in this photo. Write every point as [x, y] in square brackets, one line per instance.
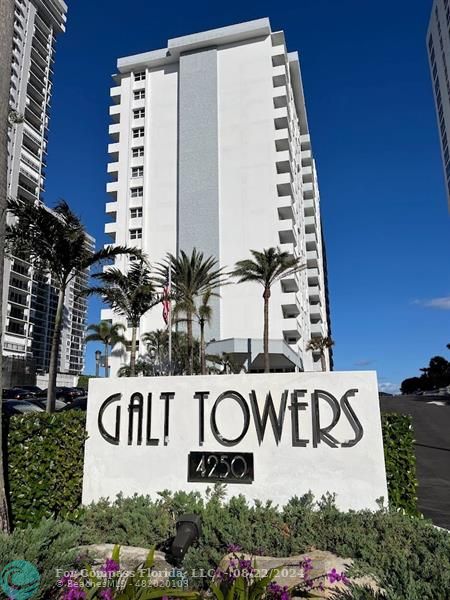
[234, 548]
[109, 567]
[335, 577]
[107, 594]
[75, 593]
[306, 565]
[277, 592]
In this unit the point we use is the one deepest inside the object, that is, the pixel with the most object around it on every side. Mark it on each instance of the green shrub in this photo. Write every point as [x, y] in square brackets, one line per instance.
[46, 452]
[400, 459]
[45, 464]
[410, 557]
[49, 546]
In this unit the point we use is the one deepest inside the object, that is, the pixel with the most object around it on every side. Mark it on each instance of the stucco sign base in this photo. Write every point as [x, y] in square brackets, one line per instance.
[268, 436]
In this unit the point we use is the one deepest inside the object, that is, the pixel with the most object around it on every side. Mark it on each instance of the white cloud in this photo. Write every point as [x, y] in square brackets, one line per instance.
[442, 303]
[388, 387]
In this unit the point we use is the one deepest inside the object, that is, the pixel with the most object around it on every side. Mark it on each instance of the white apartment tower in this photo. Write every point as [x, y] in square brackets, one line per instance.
[30, 299]
[210, 148]
[438, 44]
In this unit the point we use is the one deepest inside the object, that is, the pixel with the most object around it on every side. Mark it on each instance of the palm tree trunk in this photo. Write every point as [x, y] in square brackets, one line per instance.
[53, 367]
[266, 297]
[202, 347]
[6, 35]
[133, 353]
[106, 359]
[323, 363]
[190, 344]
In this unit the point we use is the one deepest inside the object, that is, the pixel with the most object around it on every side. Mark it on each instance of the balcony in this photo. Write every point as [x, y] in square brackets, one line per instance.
[314, 293]
[279, 76]
[112, 187]
[111, 230]
[312, 259]
[280, 97]
[111, 209]
[307, 174]
[114, 131]
[290, 283]
[113, 170]
[289, 305]
[284, 162]
[285, 208]
[310, 224]
[309, 207]
[287, 235]
[113, 151]
[291, 330]
[313, 277]
[308, 191]
[282, 140]
[114, 113]
[115, 93]
[317, 330]
[284, 185]
[281, 118]
[315, 311]
[33, 133]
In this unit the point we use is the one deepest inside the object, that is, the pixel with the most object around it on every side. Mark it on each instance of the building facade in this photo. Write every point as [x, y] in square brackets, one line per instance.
[438, 45]
[30, 298]
[210, 148]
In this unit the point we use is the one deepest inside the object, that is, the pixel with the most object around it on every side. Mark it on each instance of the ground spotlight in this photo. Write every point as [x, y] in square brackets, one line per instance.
[189, 530]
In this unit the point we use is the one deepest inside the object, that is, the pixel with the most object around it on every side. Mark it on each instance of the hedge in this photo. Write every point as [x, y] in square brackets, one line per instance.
[45, 464]
[45, 455]
[409, 556]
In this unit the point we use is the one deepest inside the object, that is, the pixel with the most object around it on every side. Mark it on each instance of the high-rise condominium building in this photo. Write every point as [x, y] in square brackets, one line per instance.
[211, 149]
[438, 43]
[30, 298]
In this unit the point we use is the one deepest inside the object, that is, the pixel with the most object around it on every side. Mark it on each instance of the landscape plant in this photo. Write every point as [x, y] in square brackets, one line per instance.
[55, 241]
[267, 268]
[130, 295]
[109, 335]
[192, 277]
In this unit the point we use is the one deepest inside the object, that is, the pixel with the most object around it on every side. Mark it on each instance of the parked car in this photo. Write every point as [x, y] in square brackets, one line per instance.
[34, 389]
[79, 403]
[16, 394]
[64, 393]
[42, 403]
[19, 407]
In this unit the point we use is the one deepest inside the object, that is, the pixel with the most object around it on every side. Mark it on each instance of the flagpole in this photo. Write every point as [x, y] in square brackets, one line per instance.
[170, 320]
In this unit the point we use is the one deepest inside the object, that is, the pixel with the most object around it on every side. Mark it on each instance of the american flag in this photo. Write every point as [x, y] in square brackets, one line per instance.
[166, 301]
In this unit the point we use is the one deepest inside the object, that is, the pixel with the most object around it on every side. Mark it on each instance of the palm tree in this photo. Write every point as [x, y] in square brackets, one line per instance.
[6, 36]
[320, 344]
[129, 294]
[55, 241]
[158, 341]
[192, 276]
[110, 335]
[266, 268]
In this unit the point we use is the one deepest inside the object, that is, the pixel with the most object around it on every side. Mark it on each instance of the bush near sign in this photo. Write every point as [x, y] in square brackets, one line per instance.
[269, 436]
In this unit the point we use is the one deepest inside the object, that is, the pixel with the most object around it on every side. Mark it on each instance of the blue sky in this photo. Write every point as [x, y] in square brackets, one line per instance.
[374, 136]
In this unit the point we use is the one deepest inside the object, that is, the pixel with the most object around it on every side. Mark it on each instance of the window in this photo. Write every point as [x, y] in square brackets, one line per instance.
[137, 172]
[135, 234]
[138, 152]
[137, 192]
[140, 76]
[139, 94]
[139, 113]
[135, 213]
[138, 133]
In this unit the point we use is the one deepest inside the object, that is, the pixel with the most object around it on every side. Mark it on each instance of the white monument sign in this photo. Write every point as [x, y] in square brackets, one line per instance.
[268, 436]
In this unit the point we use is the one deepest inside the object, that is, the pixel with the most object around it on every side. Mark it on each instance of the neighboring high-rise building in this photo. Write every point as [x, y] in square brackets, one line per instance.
[30, 299]
[211, 149]
[438, 43]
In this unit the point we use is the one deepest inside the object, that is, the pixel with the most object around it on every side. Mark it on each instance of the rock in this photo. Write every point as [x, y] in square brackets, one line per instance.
[130, 557]
[291, 574]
